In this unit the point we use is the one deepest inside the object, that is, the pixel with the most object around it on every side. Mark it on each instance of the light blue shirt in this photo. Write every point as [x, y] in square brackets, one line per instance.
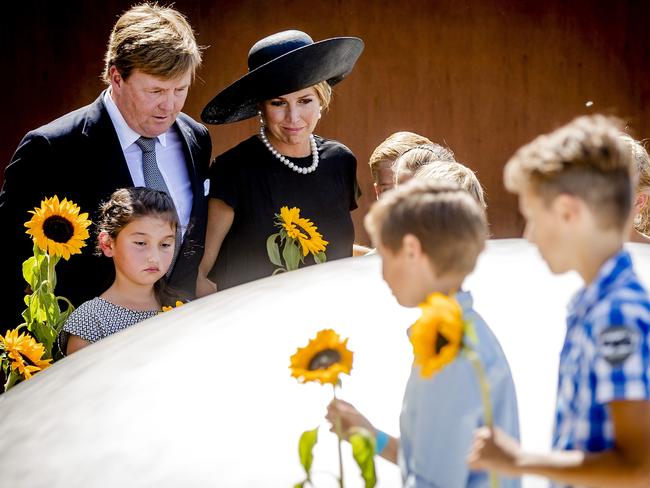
[439, 415]
[170, 157]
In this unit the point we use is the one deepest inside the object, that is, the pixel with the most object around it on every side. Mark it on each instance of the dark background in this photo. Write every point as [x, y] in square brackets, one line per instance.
[482, 77]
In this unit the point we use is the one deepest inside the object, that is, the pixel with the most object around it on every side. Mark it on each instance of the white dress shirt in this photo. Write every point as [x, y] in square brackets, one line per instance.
[169, 156]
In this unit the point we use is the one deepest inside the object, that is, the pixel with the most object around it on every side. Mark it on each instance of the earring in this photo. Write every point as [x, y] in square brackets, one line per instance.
[262, 123]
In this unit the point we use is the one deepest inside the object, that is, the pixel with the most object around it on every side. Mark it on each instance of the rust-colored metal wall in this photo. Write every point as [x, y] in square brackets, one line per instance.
[481, 77]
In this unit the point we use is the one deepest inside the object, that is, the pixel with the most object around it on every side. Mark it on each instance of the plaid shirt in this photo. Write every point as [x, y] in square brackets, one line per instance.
[606, 356]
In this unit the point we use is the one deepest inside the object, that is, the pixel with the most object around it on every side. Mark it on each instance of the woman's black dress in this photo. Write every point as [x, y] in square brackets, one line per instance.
[256, 185]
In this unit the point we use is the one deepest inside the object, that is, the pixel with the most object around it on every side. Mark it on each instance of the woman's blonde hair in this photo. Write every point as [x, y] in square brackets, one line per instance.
[324, 93]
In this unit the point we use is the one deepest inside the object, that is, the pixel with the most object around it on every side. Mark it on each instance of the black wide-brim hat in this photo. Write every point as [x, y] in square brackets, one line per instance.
[280, 64]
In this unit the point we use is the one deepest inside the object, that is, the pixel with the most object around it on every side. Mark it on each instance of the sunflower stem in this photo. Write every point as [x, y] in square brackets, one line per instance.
[50, 274]
[337, 427]
[487, 405]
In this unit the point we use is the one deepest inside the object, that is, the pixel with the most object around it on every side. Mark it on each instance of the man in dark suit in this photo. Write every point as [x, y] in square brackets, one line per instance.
[87, 154]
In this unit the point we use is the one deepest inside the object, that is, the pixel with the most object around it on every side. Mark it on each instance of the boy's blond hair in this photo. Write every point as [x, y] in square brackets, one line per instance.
[391, 149]
[448, 222]
[642, 168]
[415, 157]
[586, 158]
[455, 172]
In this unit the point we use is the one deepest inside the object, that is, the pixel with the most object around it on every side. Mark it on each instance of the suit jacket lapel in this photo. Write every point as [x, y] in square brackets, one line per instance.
[190, 146]
[110, 170]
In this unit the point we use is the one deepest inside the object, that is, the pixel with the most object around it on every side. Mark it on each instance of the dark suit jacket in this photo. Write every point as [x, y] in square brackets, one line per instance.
[79, 157]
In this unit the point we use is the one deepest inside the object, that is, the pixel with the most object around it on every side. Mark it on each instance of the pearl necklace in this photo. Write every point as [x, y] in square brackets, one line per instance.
[286, 162]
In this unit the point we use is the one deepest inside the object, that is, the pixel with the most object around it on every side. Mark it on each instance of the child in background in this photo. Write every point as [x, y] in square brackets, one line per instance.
[454, 172]
[384, 156]
[575, 192]
[137, 230]
[429, 235]
[381, 167]
[414, 158]
[640, 231]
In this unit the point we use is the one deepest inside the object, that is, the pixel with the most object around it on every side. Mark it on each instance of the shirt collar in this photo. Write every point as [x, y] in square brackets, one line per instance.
[465, 300]
[608, 277]
[125, 134]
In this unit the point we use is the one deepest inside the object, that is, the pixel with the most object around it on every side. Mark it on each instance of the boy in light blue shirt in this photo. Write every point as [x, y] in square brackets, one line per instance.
[429, 236]
[575, 188]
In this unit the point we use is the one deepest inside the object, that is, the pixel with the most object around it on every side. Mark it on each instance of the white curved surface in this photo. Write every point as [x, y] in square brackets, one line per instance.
[201, 396]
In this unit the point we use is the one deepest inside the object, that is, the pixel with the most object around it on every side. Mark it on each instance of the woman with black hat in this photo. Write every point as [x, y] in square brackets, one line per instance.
[288, 85]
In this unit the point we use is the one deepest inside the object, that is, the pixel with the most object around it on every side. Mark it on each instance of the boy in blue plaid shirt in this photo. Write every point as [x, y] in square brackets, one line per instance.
[575, 189]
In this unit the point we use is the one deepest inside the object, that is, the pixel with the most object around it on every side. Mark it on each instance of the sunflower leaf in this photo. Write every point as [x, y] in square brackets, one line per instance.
[65, 314]
[30, 268]
[291, 255]
[273, 250]
[44, 334]
[35, 268]
[363, 451]
[306, 445]
[320, 257]
[308, 440]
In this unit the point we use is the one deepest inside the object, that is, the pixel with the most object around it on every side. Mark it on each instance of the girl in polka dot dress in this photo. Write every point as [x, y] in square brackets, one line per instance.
[137, 230]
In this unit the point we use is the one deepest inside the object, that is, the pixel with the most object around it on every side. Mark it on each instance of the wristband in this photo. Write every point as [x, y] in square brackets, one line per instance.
[381, 441]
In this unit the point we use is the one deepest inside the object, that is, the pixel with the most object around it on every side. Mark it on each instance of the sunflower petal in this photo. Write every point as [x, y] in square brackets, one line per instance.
[326, 340]
[66, 213]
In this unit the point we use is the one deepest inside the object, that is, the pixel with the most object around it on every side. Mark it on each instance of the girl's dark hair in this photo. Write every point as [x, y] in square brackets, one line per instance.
[127, 204]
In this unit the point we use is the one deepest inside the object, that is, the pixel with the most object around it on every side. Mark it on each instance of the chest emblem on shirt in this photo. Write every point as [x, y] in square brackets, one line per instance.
[617, 343]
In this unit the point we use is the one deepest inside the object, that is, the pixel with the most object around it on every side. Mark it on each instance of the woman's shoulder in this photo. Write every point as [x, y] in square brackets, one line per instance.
[333, 147]
[244, 147]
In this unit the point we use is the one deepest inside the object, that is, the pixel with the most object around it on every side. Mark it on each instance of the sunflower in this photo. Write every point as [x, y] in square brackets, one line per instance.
[58, 228]
[170, 307]
[323, 359]
[438, 333]
[302, 229]
[25, 353]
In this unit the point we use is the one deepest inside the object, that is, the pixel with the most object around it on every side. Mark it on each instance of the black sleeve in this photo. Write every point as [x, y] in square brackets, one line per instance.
[21, 192]
[223, 181]
[356, 189]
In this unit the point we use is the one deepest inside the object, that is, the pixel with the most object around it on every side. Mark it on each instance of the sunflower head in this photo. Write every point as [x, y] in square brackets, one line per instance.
[303, 230]
[323, 359]
[438, 333]
[58, 228]
[24, 353]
